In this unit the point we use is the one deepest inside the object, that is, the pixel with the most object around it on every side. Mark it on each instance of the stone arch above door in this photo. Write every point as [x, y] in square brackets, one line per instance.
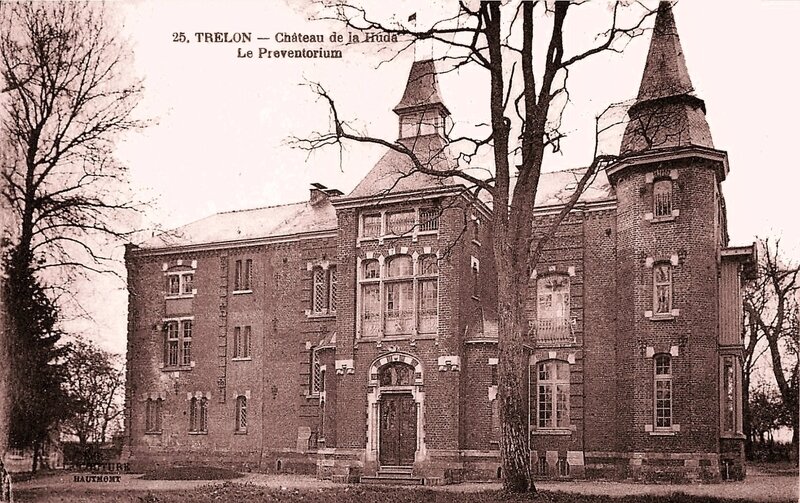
[382, 363]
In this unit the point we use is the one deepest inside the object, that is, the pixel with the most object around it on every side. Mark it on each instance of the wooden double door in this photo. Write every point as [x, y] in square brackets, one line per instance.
[398, 429]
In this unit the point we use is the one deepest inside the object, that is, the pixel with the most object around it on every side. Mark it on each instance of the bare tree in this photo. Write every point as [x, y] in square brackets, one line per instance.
[527, 94]
[771, 310]
[66, 98]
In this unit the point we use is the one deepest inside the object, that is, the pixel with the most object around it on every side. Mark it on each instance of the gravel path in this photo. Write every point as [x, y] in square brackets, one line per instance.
[759, 486]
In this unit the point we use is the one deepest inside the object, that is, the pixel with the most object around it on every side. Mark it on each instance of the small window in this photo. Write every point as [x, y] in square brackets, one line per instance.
[475, 279]
[400, 266]
[428, 219]
[371, 226]
[428, 265]
[662, 198]
[241, 342]
[153, 411]
[198, 415]
[241, 414]
[400, 223]
[180, 284]
[662, 289]
[243, 275]
[370, 269]
[663, 391]
[323, 290]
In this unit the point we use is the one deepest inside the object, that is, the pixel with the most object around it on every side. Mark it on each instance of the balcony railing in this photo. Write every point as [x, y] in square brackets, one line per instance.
[554, 330]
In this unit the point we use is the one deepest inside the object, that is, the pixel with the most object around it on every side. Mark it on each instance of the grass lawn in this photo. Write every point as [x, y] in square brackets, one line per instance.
[237, 492]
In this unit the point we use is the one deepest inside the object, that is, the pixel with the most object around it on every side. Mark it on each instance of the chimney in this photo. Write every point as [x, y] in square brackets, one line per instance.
[321, 193]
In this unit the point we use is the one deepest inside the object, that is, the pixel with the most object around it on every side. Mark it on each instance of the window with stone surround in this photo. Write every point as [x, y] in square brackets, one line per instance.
[553, 322]
[394, 300]
[662, 198]
[399, 296]
[400, 223]
[552, 403]
[180, 283]
[323, 290]
[662, 393]
[178, 342]
[662, 289]
[316, 374]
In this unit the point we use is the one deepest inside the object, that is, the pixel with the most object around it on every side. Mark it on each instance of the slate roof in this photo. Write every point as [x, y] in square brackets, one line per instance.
[395, 172]
[665, 72]
[266, 222]
[422, 88]
[666, 113]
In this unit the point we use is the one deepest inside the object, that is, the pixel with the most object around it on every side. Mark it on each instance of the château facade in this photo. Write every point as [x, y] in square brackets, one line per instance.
[355, 336]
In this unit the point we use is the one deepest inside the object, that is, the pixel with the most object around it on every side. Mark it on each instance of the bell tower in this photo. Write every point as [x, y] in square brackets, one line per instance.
[421, 110]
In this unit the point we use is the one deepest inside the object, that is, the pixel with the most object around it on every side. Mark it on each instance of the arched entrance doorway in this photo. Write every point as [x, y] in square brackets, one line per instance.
[395, 433]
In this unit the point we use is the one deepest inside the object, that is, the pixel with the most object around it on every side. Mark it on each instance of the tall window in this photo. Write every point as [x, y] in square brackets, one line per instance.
[370, 298]
[662, 288]
[180, 283]
[662, 198]
[244, 275]
[172, 348]
[316, 375]
[153, 415]
[731, 419]
[553, 309]
[198, 415]
[323, 290]
[476, 285]
[428, 294]
[178, 343]
[241, 414]
[241, 342]
[663, 391]
[399, 296]
[553, 394]
[186, 343]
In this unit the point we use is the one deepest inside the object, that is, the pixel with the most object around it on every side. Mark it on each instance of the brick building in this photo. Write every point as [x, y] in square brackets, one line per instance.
[355, 335]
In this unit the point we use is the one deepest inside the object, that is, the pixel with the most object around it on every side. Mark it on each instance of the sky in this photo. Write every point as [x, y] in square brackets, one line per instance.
[221, 124]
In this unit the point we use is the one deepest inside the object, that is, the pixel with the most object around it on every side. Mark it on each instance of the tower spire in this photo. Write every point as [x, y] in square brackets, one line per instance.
[421, 109]
[666, 113]
[665, 73]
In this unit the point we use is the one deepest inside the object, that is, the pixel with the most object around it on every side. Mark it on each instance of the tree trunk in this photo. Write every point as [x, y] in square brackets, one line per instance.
[35, 461]
[748, 443]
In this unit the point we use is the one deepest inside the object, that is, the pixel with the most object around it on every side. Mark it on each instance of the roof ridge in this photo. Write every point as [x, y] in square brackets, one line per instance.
[259, 208]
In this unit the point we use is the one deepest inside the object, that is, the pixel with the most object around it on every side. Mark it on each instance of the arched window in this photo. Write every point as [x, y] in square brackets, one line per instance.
[396, 374]
[662, 288]
[370, 269]
[399, 266]
[552, 385]
[553, 309]
[241, 414]
[662, 198]
[663, 391]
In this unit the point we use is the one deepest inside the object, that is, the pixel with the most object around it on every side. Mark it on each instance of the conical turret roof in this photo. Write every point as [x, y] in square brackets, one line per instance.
[666, 113]
[422, 88]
